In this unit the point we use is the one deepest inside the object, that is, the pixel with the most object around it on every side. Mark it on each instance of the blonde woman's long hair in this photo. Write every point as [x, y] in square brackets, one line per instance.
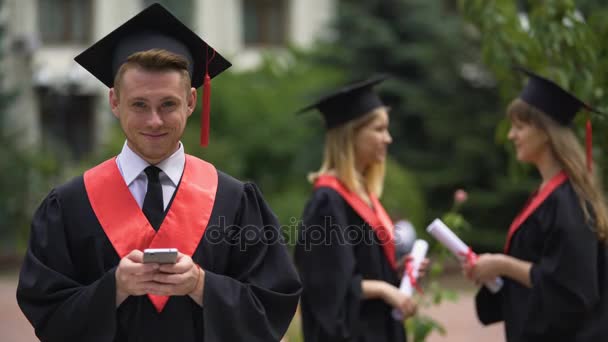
[569, 152]
[339, 157]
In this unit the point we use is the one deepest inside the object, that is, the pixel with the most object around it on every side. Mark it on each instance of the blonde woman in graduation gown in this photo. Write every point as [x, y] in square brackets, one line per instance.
[345, 253]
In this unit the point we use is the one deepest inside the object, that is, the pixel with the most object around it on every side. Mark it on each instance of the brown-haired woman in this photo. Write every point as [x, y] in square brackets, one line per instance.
[555, 263]
[345, 252]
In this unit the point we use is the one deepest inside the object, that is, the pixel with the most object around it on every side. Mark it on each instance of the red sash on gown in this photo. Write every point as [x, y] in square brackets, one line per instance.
[533, 204]
[126, 225]
[379, 220]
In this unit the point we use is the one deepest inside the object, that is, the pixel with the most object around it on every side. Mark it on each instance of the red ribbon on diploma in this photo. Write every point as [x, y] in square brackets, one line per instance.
[409, 270]
[470, 257]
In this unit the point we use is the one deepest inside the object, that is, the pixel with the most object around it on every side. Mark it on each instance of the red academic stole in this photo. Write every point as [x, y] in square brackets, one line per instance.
[533, 204]
[378, 220]
[126, 225]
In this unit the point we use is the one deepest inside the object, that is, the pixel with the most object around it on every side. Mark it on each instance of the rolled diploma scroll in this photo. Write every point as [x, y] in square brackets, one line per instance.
[454, 244]
[417, 254]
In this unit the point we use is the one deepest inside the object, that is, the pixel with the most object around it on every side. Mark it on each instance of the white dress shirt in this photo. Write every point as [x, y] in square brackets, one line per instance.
[132, 167]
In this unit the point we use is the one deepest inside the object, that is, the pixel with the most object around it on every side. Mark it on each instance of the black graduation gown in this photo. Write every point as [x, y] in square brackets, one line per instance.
[336, 250]
[568, 299]
[67, 287]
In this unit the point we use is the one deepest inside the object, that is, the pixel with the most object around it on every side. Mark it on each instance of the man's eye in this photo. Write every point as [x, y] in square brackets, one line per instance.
[169, 104]
[139, 105]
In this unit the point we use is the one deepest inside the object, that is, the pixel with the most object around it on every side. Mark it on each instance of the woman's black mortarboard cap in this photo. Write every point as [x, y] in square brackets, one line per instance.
[557, 103]
[155, 28]
[349, 102]
[550, 98]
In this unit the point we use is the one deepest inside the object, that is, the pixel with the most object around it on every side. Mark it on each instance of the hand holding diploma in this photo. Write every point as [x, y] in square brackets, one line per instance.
[410, 276]
[454, 244]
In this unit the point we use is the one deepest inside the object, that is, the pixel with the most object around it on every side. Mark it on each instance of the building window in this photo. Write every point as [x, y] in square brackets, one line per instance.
[181, 9]
[67, 122]
[65, 21]
[265, 22]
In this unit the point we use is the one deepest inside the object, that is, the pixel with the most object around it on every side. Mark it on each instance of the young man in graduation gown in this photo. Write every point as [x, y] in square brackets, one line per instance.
[555, 262]
[83, 277]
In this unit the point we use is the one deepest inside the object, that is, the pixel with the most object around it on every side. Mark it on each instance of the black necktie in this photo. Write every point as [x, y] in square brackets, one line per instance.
[153, 202]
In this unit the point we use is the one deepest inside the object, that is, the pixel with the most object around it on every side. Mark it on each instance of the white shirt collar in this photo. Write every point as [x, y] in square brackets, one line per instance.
[173, 166]
[132, 165]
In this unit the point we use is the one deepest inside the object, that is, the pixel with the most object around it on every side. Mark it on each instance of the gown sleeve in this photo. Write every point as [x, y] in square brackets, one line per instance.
[49, 294]
[327, 265]
[565, 282]
[489, 306]
[257, 298]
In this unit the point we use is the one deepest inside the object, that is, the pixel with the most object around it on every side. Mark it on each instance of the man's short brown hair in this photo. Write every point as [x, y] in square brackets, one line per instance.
[154, 60]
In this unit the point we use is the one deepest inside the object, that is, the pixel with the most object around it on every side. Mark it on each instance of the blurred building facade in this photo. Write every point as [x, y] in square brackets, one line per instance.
[59, 103]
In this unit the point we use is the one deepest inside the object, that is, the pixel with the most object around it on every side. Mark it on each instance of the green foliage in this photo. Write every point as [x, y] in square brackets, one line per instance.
[12, 195]
[31, 174]
[403, 198]
[421, 326]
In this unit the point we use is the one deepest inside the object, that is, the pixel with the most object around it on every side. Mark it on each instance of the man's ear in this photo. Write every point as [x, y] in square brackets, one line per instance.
[114, 101]
[191, 101]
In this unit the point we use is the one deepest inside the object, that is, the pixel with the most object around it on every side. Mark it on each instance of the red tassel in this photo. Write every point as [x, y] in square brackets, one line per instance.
[206, 101]
[589, 145]
[206, 107]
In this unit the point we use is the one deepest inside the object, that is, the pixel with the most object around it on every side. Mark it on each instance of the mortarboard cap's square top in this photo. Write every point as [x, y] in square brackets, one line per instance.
[550, 98]
[349, 102]
[153, 28]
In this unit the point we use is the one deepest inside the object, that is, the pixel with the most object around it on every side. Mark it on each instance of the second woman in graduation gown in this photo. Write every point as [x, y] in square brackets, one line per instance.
[345, 251]
[555, 264]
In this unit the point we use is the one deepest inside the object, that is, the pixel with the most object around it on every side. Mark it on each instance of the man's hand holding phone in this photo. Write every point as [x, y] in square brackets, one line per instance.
[179, 279]
[133, 277]
[162, 272]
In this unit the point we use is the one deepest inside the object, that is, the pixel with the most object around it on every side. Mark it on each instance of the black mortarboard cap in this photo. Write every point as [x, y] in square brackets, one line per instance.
[156, 28]
[153, 28]
[349, 102]
[550, 98]
[558, 104]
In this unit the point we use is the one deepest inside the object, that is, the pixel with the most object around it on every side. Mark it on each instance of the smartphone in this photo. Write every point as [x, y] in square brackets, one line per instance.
[160, 255]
